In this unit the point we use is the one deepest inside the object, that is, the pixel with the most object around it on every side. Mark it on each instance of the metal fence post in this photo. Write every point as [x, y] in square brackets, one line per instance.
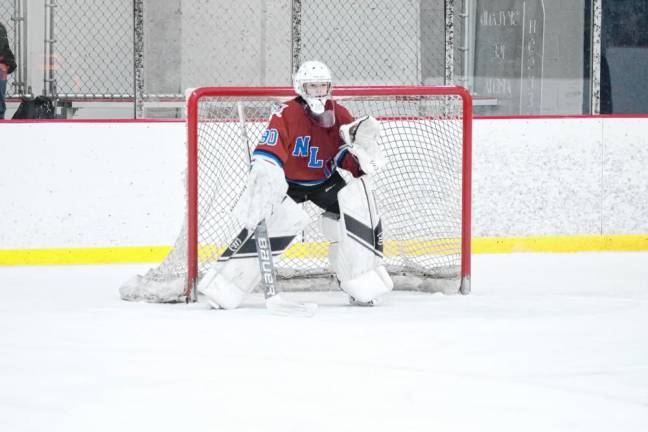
[49, 80]
[138, 58]
[20, 41]
[597, 14]
[449, 41]
[296, 35]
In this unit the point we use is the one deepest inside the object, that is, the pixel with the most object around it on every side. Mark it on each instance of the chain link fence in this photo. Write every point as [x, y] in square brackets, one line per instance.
[146, 53]
[262, 42]
[232, 43]
[151, 50]
[7, 18]
[377, 42]
[92, 48]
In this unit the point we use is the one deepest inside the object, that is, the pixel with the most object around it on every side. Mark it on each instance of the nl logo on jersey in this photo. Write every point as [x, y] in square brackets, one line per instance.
[304, 149]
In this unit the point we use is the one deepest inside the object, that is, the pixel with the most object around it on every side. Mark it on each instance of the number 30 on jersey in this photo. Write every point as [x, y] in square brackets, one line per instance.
[269, 137]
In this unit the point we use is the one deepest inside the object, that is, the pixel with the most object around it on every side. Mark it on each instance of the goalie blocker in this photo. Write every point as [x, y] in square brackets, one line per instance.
[355, 252]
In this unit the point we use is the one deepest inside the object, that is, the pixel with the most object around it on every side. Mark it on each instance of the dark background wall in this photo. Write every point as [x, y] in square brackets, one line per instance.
[624, 46]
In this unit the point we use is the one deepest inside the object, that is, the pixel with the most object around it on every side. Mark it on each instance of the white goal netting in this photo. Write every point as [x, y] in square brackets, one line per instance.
[421, 194]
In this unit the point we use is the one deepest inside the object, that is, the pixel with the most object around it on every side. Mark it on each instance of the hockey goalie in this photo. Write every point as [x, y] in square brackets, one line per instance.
[297, 158]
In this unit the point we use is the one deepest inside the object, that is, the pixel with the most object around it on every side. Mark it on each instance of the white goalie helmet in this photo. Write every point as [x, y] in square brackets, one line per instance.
[309, 74]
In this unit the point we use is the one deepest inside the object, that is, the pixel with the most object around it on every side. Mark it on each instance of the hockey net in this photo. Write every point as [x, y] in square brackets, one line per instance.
[423, 194]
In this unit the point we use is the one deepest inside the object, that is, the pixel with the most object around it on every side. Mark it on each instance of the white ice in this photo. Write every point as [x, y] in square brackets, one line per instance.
[555, 342]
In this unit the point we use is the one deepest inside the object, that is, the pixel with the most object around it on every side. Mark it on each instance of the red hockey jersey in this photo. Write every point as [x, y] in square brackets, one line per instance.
[307, 152]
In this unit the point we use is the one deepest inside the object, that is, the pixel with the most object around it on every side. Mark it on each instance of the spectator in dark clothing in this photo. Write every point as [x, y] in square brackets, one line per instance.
[7, 66]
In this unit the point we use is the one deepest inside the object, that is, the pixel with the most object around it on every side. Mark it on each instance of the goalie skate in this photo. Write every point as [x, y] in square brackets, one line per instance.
[370, 303]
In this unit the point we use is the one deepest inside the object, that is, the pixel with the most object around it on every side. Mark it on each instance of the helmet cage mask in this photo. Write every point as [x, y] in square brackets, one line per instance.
[314, 72]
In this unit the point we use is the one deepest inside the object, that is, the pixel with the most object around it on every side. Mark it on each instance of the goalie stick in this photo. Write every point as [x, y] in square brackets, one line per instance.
[274, 302]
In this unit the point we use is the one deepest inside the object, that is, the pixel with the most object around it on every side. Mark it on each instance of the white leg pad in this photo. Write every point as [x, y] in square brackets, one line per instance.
[287, 219]
[331, 230]
[384, 275]
[368, 286]
[357, 257]
[226, 284]
[330, 227]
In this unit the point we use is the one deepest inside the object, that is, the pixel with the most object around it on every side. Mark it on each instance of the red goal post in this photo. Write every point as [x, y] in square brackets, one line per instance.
[426, 105]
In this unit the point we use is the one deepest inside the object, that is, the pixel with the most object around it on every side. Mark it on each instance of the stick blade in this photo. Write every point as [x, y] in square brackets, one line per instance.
[280, 306]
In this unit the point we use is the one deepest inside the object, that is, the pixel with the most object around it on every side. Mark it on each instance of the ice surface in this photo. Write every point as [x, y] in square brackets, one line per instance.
[555, 342]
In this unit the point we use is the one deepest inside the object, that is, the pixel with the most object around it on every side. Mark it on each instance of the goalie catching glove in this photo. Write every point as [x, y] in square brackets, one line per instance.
[361, 139]
[266, 187]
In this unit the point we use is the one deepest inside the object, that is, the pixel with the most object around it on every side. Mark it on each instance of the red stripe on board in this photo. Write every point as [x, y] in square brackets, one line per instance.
[558, 117]
[93, 121]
